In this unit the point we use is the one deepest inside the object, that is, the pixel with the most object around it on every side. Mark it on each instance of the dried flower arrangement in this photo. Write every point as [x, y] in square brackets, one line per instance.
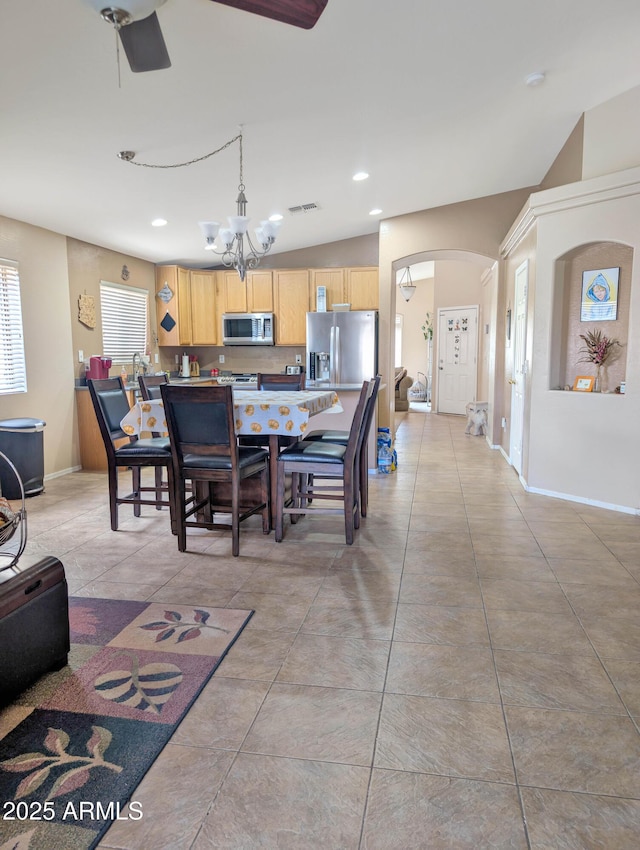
[597, 347]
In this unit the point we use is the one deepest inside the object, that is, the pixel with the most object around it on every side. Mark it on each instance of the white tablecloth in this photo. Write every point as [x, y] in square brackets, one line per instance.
[256, 412]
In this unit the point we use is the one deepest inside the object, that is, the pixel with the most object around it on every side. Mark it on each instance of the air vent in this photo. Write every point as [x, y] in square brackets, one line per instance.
[303, 208]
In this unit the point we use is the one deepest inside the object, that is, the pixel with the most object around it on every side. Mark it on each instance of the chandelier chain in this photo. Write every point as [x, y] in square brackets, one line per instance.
[237, 138]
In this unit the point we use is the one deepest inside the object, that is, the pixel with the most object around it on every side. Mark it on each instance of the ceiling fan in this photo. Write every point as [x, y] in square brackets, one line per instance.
[139, 28]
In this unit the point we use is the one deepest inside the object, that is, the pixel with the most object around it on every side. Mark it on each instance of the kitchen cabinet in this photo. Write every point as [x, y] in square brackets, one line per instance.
[177, 280]
[253, 295]
[204, 328]
[291, 304]
[361, 288]
[355, 286]
[201, 297]
[333, 280]
[260, 291]
[193, 307]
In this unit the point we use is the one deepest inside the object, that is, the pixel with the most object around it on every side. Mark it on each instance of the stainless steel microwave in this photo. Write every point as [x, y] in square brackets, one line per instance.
[247, 329]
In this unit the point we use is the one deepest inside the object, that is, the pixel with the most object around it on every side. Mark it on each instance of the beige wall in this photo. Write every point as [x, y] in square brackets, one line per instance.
[567, 166]
[44, 283]
[612, 135]
[88, 265]
[414, 346]
[359, 251]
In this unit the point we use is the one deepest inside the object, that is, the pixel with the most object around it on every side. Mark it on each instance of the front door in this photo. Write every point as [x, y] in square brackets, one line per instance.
[457, 358]
[517, 381]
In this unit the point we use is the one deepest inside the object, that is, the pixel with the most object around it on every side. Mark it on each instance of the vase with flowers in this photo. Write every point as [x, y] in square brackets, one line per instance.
[597, 350]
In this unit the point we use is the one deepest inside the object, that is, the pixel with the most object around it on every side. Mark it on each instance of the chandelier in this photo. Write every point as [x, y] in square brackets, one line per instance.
[406, 285]
[234, 252]
[237, 249]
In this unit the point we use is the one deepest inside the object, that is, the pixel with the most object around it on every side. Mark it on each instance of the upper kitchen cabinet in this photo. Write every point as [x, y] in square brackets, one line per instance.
[204, 324]
[192, 307]
[362, 288]
[291, 304]
[355, 286]
[170, 312]
[260, 291]
[333, 280]
[254, 295]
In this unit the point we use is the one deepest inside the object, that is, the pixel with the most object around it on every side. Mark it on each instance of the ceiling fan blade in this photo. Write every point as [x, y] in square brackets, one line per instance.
[144, 45]
[298, 13]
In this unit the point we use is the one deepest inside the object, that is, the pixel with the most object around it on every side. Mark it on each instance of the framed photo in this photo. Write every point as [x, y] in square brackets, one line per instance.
[599, 295]
[584, 383]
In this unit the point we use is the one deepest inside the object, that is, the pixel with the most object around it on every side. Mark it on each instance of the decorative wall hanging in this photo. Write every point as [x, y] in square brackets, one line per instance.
[168, 323]
[165, 294]
[124, 274]
[87, 310]
[599, 295]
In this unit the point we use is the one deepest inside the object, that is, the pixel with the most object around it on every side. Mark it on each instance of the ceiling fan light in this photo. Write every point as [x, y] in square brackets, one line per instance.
[135, 9]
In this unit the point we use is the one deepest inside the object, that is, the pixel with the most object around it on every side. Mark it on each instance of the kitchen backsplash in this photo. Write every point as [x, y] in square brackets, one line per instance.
[236, 358]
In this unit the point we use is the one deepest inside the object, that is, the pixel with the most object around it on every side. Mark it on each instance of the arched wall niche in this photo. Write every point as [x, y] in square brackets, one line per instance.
[567, 359]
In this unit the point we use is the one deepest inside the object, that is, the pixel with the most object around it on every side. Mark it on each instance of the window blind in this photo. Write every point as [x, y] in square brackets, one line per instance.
[124, 321]
[13, 373]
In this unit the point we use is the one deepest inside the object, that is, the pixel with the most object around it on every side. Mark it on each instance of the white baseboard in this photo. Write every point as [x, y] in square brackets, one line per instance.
[567, 497]
[62, 472]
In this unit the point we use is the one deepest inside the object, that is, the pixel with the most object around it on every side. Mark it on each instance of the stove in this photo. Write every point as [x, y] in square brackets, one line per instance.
[245, 378]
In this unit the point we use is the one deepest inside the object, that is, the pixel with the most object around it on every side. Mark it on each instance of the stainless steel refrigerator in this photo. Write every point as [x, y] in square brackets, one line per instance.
[342, 347]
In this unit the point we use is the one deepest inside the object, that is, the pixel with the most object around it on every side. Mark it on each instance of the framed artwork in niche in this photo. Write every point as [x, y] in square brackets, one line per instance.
[599, 295]
[584, 383]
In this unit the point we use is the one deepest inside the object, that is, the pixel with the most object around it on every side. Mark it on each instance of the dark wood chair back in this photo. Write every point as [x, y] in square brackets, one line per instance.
[225, 478]
[307, 459]
[280, 382]
[111, 404]
[150, 385]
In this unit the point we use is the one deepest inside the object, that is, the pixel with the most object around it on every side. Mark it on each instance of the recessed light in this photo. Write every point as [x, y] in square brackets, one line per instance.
[376, 211]
[159, 222]
[275, 217]
[535, 79]
[360, 175]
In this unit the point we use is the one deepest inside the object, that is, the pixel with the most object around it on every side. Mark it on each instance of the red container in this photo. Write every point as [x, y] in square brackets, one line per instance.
[99, 367]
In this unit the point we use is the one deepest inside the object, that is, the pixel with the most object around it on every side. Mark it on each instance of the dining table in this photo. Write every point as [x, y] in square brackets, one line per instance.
[268, 412]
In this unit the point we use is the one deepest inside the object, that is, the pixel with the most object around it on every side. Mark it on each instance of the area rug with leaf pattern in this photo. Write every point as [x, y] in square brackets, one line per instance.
[76, 744]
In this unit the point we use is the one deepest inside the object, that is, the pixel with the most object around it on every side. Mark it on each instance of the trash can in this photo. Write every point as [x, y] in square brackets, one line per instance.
[22, 442]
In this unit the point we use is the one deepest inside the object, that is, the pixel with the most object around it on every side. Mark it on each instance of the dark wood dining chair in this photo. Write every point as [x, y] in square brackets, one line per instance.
[307, 458]
[111, 404]
[342, 437]
[226, 478]
[150, 385]
[273, 381]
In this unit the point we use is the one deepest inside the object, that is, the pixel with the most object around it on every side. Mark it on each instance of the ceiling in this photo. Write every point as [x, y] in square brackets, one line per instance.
[428, 98]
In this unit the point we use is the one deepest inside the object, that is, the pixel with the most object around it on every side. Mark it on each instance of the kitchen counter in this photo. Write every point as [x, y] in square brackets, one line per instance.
[130, 386]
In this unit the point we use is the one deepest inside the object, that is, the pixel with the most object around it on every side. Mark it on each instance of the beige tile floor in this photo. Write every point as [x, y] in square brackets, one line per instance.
[466, 675]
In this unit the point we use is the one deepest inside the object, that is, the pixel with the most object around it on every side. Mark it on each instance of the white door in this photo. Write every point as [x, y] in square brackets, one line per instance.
[518, 378]
[457, 358]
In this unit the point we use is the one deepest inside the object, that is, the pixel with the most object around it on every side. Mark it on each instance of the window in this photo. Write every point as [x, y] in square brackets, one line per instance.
[13, 373]
[124, 321]
[398, 349]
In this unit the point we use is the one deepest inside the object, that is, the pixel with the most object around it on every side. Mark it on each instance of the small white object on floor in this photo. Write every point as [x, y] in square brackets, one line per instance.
[477, 418]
